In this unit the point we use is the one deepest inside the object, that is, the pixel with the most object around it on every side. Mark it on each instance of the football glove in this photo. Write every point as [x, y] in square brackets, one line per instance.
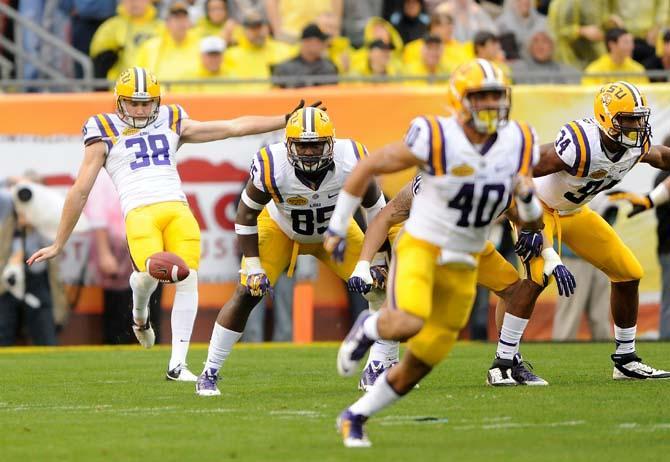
[640, 203]
[379, 276]
[528, 245]
[258, 285]
[564, 280]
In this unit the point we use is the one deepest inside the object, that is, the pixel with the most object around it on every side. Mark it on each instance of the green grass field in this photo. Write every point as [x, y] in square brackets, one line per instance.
[279, 403]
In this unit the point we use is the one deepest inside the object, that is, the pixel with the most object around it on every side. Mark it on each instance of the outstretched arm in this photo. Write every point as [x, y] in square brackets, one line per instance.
[657, 196]
[94, 159]
[194, 131]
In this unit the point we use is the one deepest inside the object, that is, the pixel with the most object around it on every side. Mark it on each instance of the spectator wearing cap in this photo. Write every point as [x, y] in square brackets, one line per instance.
[376, 61]
[216, 21]
[175, 53]
[660, 63]
[619, 43]
[255, 53]
[410, 20]
[454, 52]
[115, 44]
[469, 18]
[487, 46]
[211, 67]
[289, 17]
[538, 64]
[339, 47]
[429, 63]
[518, 21]
[310, 62]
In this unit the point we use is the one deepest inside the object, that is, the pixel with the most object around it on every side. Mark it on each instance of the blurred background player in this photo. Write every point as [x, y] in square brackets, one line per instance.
[283, 212]
[590, 156]
[434, 267]
[137, 146]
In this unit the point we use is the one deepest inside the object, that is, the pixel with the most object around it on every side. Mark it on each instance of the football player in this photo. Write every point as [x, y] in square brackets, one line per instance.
[473, 164]
[494, 273]
[590, 156]
[137, 144]
[284, 211]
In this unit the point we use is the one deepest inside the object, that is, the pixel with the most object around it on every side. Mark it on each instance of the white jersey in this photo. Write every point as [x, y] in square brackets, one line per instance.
[141, 162]
[462, 188]
[589, 170]
[301, 212]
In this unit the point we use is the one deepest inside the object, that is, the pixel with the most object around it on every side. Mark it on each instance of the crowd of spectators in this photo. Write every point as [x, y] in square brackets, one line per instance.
[291, 43]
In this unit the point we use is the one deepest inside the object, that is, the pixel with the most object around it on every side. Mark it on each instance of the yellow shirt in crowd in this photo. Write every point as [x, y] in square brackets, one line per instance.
[455, 53]
[125, 35]
[247, 61]
[605, 64]
[167, 59]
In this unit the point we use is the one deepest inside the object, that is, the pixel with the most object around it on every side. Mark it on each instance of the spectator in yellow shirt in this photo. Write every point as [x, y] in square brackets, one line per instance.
[173, 54]
[216, 21]
[619, 43]
[375, 62]
[211, 60]
[115, 44]
[379, 28]
[430, 63]
[455, 53]
[255, 54]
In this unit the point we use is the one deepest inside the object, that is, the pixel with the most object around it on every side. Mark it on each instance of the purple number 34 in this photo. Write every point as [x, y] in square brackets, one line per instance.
[159, 155]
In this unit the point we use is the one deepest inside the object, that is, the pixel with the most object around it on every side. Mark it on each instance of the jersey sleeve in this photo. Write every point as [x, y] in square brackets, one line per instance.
[263, 173]
[100, 128]
[572, 146]
[355, 151]
[176, 114]
[419, 137]
[529, 150]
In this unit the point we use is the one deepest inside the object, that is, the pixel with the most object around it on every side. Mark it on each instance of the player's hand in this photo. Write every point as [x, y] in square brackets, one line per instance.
[335, 245]
[379, 275]
[258, 285]
[529, 245]
[301, 104]
[564, 280]
[640, 203]
[45, 253]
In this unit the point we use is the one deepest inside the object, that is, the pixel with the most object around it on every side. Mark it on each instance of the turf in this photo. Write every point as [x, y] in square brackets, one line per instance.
[280, 404]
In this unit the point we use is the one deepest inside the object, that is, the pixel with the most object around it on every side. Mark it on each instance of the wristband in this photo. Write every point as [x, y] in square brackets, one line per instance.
[659, 195]
[344, 209]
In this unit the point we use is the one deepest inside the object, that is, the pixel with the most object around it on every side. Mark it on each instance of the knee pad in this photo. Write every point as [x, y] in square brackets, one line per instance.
[142, 281]
[432, 343]
[190, 284]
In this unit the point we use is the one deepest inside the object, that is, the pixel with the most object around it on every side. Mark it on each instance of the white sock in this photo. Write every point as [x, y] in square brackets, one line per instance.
[377, 398]
[510, 336]
[385, 351]
[143, 285]
[184, 310]
[625, 339]
[220, 346]
[370, 326]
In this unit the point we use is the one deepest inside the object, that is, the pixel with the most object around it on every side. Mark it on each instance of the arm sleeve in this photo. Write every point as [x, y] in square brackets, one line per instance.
[567, 146]
[93, 131]
[257, 173]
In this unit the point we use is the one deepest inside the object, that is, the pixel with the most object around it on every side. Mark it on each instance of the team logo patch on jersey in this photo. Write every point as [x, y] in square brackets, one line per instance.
[598, 174]
[297, 200]
[462, 170]
[129, 131]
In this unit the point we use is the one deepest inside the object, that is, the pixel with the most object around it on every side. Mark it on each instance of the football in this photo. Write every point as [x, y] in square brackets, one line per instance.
[167, 267]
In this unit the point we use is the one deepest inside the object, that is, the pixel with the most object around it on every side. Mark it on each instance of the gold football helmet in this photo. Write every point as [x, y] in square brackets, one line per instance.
[137, 85]
[309, 140]
[472, 80]
[622, 113]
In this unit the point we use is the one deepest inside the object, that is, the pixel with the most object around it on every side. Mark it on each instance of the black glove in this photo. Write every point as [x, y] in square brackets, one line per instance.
[529, 245]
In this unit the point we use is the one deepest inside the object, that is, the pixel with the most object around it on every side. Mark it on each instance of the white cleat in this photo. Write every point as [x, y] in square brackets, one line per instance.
[630, 367]
[181, 374]
[145, 334]
[205, 384]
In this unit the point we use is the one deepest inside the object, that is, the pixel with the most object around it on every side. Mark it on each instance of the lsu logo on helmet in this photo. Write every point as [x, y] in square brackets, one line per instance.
[621, 112]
